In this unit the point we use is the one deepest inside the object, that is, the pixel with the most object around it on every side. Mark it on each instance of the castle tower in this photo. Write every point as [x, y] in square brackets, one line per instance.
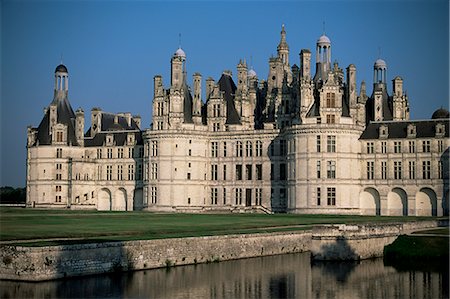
[323, 58]
[400, 100]
[283, 48]
[197, 105]
[177, 68]
[351, 88]
[379, 72]
[176, 97]
[379, 90]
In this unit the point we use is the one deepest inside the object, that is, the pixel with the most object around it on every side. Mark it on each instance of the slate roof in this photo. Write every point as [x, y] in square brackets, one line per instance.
[227, 85]
[188, 103]
[398, 129]
[120, 138]
[65, 115]
[387, 105]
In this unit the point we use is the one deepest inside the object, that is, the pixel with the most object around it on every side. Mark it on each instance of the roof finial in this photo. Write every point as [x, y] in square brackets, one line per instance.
[323, 28]
[61, 58]
[379, 52]
[179, 40]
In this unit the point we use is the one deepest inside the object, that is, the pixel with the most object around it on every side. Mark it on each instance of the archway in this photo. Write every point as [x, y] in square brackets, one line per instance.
[138, 199]
[120, 200]
[426, 202]
[397, 202]
[104, 200]
[369, 202]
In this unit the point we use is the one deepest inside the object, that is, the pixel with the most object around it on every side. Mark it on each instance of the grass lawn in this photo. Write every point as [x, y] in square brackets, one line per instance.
[27, 224]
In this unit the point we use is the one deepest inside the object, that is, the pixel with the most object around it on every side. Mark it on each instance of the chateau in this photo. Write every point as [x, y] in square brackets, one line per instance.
[297, 142]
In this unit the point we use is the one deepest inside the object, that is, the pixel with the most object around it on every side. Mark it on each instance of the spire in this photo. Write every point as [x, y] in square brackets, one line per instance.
[283, 44]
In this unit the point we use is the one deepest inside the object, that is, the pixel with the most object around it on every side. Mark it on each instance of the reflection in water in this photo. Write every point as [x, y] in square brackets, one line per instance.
[284, 276]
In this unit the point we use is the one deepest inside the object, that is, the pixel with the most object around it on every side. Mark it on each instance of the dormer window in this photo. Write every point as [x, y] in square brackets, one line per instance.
[440, 130]
[383, 132]
[411, 131]
[110, 139]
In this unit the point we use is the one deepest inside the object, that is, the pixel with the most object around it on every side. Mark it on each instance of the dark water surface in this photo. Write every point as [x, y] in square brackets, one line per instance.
[283, 276]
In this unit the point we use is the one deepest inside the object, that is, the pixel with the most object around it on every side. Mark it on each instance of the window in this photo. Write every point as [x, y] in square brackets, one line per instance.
[213, 196]
[99, 153]
[160, 109]
[331, 100]
[216, 110]
[214, 172]
[331, 144]
[154, 171]
[440, 146]
[238, 198]
[59, 136]
[283, 171]
[397, 147]
[318, 195]
[412, 146]
[154, 148]
[224, 172]
[331, 169]
[153, 195]
[58, 166]
[188, 176]
[214, 149]
[259, 148]
[224, 196]
[318, 143]
[248, 171]
[216, 127]
[130, 152]
[239, 149]
[120, 153]
[109, 172]
[131, 172]
[224, 149]
[58, 198]
[370, 170]
[58, 188]
[370, 147]
[426, 148]
[238, 172]
[109, 152]
[318, 168]
[397, 170]
[259, 172]
[440, 170]
[119, 172]
[331, 196]
[248, 149]
[412, 169]
[383, 170]
[331, 119]
[59, 153]
[426, 170]
[59, 176]
[383, 147]
[189, 152]
[258, 196]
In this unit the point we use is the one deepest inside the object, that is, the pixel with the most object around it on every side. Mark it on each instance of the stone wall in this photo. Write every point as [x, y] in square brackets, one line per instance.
[52, 262]
[355, 242]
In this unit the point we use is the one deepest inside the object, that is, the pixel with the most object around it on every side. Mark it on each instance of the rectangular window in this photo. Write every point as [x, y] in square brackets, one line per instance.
[370, 170]
[331, 196]
[109, 172]
[59, 153]
[331, 118]
[214, 149]
[440, 170]
[238, 198]
[188, 176]
[383, 170]
[440, 146]
[426, 146]
[239, 149]
[318, 168]
[58, 166]
[58, 176]
[109, 151]
[224, 196]
[248, 171]
[213, 196]
[154, 148]
[259, 172]
[426, 170]
[224, 172]
[331, 144]
[397, 170]
[412, 170]
[412, 147]
[331, 169]
[216, 127]
[153, 195]
[130, 152]
[154, 171]
[120, 153]
[224, 149]
[239, 172]
[318, 195]
[59, 136]
[383, 147]
[370, 147]
[99, 153]
[119, 172]
[58, 188]
[189, 152]
[58, 198]
[258, 196]
[248, 149]
[131, 172]
[283, 172]
[214, 172]
[397, 147]
[259, 148]
[318, 143]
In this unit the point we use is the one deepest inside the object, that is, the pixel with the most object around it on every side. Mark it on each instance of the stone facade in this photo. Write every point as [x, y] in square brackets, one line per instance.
[297, 142]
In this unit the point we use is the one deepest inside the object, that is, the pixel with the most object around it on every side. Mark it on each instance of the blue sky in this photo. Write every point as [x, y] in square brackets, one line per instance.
[113, 49]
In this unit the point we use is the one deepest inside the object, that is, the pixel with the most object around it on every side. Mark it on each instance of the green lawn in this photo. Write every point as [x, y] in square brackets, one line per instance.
[26, 224]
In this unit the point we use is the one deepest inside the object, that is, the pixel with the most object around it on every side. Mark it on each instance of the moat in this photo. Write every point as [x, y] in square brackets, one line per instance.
[282, 276]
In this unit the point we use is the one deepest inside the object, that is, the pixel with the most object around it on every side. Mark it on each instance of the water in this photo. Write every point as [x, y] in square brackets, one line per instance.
[283, 276]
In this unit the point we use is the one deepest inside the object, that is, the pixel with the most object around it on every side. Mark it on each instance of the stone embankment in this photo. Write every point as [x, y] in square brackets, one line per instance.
[327, 242]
